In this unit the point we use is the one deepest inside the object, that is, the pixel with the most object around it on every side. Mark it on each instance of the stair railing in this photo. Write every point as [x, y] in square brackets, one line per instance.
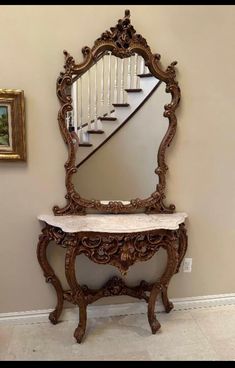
[104, 84]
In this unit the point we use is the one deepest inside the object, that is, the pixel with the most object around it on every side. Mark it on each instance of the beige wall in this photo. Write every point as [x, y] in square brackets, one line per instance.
[201, 179]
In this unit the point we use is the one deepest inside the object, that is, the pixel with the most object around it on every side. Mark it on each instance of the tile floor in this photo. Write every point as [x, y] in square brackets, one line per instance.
[199, 334]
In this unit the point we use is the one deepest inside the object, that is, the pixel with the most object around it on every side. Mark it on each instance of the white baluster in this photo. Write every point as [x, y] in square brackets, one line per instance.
[116, 80]
[129, 73]
[67, 118]
[122, 92]
[89, 100]
[125, 80]
[81, 135]
[95, 99]
[109, 84]
[75, 104]
[135, 71]
[102, 88]
[142, 66]
[71, 120]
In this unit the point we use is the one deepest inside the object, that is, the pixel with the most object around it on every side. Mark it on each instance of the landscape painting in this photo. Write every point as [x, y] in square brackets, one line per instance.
[4, 126]
[12, 125]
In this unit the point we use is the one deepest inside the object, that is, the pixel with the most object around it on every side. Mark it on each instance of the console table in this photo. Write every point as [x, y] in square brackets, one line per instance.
[119, 240]
[98, 96]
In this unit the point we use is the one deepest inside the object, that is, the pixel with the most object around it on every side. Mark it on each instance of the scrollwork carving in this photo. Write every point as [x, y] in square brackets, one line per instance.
[119, 250]
[123, 35]
[122, 40]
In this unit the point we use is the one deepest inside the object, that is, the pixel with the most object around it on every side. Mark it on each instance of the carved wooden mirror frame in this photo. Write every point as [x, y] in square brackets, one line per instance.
[122, 40]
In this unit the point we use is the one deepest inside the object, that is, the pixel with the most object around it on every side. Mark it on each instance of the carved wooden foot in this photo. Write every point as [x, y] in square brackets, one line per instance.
[155, 325]
[81, 329]
[168, 305]
[54, 316]
[44, 240]
[153, 322]
[79, 333]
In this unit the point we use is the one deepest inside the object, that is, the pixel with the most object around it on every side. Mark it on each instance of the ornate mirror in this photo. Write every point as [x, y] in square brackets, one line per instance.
[117, 118]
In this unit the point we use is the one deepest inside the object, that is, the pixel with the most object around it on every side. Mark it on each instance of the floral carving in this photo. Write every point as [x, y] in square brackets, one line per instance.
[114, 286]
[122, 35]
[119, 250]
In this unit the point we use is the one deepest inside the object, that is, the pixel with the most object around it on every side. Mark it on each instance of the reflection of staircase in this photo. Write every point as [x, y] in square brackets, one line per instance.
[130, 91]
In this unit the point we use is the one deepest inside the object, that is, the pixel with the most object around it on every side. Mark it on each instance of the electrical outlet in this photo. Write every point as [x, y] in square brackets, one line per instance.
[187, 266]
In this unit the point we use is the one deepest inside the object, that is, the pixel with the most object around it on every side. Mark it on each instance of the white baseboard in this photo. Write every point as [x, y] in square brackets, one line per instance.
[71, 314]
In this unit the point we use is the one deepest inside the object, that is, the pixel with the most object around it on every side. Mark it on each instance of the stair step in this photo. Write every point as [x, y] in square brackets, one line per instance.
[95, 131]
[133, 89]
[85, 144]
[121, 104]
[108, 113]
[108, 118]
[145, 75]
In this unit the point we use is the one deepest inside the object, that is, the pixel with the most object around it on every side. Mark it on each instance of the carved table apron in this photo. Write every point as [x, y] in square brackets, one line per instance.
[118, 240]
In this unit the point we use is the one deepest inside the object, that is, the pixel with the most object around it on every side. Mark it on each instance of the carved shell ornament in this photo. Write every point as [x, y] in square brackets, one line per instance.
[123, 41]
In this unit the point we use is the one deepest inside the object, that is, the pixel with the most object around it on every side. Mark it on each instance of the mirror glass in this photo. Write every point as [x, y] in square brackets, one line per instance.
[118, 108]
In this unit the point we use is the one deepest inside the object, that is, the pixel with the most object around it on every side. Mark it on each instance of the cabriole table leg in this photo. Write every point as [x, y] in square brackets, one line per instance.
[153, 322]
[44, 240]
[77, 291]
[162, 284]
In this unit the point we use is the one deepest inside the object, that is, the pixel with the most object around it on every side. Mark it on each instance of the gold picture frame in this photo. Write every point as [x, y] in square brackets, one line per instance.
[12, 125]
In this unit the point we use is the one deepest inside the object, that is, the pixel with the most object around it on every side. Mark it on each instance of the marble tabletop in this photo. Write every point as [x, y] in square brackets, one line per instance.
[120, 223]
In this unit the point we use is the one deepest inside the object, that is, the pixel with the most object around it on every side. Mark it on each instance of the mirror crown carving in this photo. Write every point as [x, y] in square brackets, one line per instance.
[123, 35]
[122, 41]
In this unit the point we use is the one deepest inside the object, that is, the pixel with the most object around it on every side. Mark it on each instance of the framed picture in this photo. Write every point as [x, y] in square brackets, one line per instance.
[12, 125]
